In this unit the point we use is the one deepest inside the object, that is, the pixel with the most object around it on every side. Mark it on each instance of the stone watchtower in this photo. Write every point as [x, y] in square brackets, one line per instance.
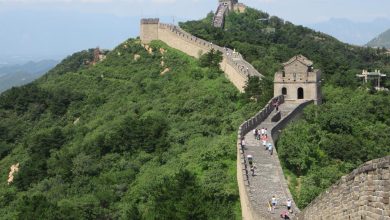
[298, 81]
[229, 3]
[149, 29]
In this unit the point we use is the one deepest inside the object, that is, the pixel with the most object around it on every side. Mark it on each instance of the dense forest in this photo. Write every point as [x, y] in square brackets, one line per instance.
[140, 135]
[353, 124]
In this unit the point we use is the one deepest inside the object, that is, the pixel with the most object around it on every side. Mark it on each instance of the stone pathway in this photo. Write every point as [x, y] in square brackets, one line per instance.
[268, 174]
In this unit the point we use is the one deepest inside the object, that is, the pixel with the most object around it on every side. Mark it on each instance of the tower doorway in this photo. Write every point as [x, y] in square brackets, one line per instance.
[300, 93]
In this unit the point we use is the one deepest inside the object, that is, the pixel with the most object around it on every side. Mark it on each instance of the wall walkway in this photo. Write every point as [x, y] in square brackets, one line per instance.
[219, 17]
[233, 64]
[269, 179]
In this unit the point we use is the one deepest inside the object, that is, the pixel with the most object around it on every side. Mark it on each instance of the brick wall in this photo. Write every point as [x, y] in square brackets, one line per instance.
[234, 66]
[363, 194]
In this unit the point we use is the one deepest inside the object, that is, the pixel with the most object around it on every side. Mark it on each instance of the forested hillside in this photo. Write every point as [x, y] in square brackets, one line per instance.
[353, 124]
[383, 40]
[138, 136]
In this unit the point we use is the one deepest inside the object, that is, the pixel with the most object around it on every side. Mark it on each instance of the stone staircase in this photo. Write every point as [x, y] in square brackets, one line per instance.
[268, 180]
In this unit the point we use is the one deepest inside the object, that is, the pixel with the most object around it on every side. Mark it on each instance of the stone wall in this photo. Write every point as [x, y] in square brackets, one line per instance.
[295, 114]
[234, 66]
[363, 194]
[149, 29]
[243, 170]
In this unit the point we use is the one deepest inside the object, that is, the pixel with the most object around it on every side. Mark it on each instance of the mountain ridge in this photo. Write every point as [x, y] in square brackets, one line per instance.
[17, 75]
[382, 40]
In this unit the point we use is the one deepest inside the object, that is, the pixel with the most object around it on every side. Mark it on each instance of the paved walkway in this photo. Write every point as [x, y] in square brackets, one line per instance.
[268, 175]
[219, 17]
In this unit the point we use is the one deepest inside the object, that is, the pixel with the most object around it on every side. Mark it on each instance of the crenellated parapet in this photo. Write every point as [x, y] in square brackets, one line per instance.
[224, 7]
[362, 194]
[233, 64]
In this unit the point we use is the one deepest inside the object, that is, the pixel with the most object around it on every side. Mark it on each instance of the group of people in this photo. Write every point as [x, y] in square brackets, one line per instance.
[284, 214]
[262, 135]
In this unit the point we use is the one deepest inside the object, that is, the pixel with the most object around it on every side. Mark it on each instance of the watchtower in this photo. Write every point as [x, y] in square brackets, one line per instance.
[149, 29]
[229, 3]
[298, 81]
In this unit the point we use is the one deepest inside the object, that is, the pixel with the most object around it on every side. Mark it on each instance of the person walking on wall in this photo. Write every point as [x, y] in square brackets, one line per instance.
[262, 132]
[289, 204]
[253, 168]
[270, 149]
[274, 201]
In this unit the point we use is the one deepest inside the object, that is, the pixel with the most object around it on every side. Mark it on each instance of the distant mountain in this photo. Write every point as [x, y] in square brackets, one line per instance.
[357, 33]
[16, 75]
[383, 40]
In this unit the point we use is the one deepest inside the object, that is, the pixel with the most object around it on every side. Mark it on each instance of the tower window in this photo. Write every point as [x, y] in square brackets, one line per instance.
[284, 91]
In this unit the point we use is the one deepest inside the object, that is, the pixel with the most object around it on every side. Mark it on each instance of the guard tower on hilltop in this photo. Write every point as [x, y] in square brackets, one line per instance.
[229, 3]
[149, 29]
[224, 7]
[298, 81]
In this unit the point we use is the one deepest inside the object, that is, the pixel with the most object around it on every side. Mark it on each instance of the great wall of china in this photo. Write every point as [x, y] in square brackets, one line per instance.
[233, 64]
[363, 194]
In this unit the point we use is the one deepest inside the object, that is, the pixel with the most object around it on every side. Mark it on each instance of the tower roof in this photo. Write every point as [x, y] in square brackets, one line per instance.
[301, 59]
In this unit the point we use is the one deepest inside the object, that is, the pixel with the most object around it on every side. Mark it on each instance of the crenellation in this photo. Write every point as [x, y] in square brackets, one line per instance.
[363, 191]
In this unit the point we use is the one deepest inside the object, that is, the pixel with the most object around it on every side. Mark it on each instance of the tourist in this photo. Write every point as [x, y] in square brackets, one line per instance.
[255, 133]
[266, 132]
[250, 160]
[270, 148]
[262, 132]
[253, 167]
[288, 204]
[274, 201]
[264, 141]
[284, 215]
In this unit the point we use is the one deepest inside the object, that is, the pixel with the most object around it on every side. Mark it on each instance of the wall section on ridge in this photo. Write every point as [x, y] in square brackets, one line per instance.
[362, 194]
[236, 69]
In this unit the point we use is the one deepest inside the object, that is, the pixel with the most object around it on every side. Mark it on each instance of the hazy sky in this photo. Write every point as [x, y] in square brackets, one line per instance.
[58, 27]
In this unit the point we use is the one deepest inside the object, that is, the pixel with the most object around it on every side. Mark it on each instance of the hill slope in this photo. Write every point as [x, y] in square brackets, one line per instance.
[335, 137]
[383, 40]
[120, 140]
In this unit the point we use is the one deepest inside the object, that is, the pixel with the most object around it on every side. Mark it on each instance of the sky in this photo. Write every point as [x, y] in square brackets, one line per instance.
[40, 29]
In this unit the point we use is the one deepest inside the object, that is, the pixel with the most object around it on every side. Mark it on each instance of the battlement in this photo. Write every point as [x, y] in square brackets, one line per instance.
[362, 194]
[150, 21]
[149, 29]
[224, 7]
[235, 67]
